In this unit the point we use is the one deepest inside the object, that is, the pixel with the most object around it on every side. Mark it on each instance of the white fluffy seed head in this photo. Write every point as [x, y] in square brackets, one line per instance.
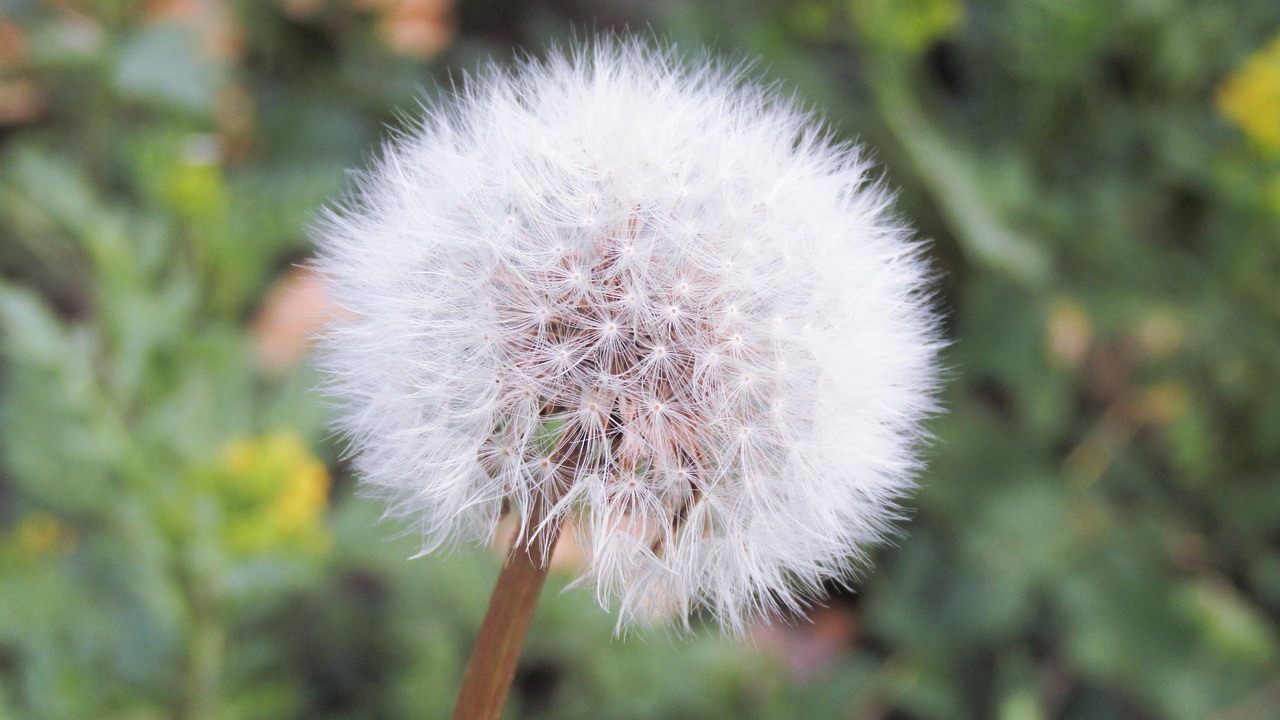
[652, 296]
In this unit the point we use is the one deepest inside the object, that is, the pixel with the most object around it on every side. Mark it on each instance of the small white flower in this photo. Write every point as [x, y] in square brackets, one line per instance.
[654, 297]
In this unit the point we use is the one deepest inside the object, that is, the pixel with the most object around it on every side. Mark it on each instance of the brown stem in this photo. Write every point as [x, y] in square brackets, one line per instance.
[493, 660]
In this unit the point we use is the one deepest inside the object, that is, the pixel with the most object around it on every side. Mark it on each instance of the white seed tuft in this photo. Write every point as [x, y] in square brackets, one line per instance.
[652, 296]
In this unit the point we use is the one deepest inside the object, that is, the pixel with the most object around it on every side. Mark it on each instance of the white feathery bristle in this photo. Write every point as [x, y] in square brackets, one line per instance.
[651, 296]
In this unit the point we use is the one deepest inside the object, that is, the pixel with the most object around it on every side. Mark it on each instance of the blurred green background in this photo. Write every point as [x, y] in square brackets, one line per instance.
[1098, 533]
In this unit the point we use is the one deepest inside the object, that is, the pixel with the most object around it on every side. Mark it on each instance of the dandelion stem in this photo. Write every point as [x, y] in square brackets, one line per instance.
[493, 659]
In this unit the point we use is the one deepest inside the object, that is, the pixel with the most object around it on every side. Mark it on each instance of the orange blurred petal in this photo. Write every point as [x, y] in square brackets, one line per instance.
[293, 312]
[21, 102]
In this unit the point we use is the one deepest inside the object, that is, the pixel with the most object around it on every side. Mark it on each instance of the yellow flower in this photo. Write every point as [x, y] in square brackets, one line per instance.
[273, 494]
[1251, 98]
[39, 535]
[906, 25]
[196, 188]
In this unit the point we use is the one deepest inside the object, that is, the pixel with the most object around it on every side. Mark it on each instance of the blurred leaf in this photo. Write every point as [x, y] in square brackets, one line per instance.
[162, 63]
[59, 440]
[1230, 626]
[962, 191]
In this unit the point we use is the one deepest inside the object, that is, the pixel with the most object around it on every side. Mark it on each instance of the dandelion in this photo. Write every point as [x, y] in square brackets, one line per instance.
[655, 298]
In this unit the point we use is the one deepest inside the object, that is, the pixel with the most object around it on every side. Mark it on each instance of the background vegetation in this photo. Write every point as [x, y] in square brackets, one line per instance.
[1098, 535]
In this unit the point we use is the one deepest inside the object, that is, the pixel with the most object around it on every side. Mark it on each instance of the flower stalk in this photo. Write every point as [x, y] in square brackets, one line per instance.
[492, 667]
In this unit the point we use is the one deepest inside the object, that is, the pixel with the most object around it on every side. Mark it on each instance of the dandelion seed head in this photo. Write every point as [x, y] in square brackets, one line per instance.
[696, 330]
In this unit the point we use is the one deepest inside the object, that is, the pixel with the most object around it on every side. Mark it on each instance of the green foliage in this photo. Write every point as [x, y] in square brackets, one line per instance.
[1096, 537]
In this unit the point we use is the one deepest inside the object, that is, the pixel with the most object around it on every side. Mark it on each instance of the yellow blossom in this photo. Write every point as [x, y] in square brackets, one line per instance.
[906, 25]
[1251, 98]
[39, 535]
[273, 493]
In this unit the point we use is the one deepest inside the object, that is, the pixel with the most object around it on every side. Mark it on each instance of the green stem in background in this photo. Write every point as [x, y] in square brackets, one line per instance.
[206, 639]
[492, 667]
[202, 668]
